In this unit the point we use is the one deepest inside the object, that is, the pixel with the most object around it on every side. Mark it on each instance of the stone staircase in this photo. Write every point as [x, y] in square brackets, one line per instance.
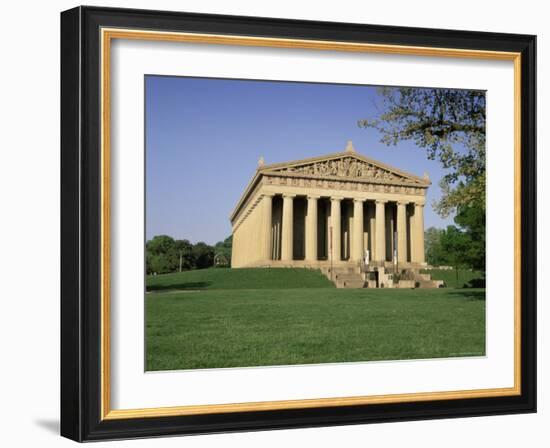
[358, 277]
[345, 277]
[349, 280]
[420, 280]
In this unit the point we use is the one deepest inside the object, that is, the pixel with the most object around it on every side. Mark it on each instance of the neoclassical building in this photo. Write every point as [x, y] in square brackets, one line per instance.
[341, 209]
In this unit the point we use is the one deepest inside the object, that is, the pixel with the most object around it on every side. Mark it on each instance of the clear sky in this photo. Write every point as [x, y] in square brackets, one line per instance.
[204, 138]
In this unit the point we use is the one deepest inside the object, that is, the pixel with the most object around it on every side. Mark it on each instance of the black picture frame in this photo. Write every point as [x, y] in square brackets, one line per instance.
[81, 224]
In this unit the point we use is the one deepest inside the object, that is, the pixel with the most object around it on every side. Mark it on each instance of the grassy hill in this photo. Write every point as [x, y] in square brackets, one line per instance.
[252, 278]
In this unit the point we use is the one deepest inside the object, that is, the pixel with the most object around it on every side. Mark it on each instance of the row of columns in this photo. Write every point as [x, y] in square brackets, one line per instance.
[287, 236]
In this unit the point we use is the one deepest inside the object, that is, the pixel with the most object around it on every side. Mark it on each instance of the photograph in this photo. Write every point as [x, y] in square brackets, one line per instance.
[273, 222]
[293, 223]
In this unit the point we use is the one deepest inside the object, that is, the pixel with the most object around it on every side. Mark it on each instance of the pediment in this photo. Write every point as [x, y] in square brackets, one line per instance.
[345, 166]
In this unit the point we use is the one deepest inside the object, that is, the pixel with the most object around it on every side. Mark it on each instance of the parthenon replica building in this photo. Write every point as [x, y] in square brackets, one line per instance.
[338, 210]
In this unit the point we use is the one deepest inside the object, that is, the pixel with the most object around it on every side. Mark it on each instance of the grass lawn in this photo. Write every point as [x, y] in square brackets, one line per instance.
[452, 280]
[252, 317]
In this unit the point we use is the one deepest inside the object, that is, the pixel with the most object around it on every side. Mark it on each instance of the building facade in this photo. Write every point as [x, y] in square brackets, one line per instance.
[339, 209]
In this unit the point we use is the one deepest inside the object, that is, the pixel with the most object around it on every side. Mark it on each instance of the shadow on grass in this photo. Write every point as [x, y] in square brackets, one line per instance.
[179, 286]
[475, 283]
[468, 295]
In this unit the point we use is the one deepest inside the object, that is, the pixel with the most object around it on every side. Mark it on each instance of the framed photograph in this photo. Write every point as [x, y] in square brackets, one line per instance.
[273, 223]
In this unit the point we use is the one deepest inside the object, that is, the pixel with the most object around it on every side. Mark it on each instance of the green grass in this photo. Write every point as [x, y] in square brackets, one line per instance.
[253, 317]
[251, 278]
[450, 277]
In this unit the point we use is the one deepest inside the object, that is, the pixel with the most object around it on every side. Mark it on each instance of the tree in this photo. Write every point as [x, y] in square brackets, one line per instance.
[450, 125]
[161, 256]
[224, 248]
[204, 255]
[471, 219]
[435, 255]
[184, 252]
[454, 244]
[161, 264]
[462, 245]
[160, 244]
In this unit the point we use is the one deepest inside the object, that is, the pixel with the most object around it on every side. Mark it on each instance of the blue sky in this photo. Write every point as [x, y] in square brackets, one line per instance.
[204, 138]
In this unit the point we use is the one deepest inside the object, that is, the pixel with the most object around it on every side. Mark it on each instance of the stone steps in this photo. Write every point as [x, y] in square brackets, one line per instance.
[427, 284]
[353, 277]
[349, 280]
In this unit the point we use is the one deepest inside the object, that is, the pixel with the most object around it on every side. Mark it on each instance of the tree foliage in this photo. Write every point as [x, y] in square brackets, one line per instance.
[204, 255]
[450, 125]
[471, 220]
[461, 247]
[435, 254]
[223, 249]
[164, 254]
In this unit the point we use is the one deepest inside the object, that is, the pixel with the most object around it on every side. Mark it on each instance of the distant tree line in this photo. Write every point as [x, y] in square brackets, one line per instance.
[164, 254]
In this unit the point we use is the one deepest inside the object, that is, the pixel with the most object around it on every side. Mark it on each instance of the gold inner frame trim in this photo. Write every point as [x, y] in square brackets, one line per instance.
[107, 35]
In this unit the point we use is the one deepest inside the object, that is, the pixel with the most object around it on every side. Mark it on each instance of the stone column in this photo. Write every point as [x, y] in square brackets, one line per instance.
[266, 235]
[419, 232]
[372, 230]
[277, 212]
[402, 232]
[380, 247]
[336, 225]
[358, 223]
[311, 228]
[287, 248]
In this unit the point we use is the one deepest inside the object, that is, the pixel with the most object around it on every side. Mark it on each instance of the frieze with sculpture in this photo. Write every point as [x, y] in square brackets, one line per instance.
[348, 167]
[341, 185]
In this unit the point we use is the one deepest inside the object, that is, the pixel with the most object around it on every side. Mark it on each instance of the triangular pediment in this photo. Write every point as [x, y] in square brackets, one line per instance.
[349, 166]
